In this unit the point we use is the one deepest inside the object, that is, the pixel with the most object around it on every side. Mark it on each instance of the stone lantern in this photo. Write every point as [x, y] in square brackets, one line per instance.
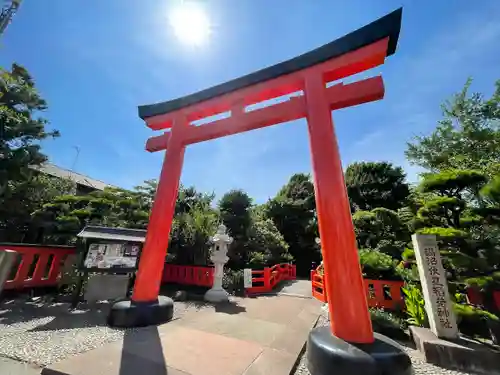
[220, 241]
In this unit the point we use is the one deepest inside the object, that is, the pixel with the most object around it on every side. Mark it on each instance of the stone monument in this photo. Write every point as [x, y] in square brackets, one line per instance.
[434, 287]
[220, 241]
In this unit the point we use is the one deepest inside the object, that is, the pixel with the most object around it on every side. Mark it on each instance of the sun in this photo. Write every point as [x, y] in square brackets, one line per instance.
[190, 23]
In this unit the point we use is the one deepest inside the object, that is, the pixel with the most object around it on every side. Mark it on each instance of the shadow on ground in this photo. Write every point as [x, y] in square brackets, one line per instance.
[149, 358]
[230, 307]
[86, 315]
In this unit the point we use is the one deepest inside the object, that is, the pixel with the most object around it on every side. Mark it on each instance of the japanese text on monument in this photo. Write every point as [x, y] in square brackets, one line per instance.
[437, 287]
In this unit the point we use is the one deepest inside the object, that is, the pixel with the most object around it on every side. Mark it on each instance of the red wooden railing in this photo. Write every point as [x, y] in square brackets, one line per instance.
[318, 286]
[36, 265]
[379, 293]
[263, 281]
[188, 275]
[385, 294]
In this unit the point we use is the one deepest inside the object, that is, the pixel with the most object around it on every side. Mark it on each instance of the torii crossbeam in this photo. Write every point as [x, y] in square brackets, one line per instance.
[304, 80]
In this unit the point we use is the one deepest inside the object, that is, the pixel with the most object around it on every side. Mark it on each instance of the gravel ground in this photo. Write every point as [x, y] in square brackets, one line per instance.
[44, 332]
[420, 367]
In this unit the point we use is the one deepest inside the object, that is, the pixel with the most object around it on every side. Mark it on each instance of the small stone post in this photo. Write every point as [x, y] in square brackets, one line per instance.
[221, 240]
[434, 286]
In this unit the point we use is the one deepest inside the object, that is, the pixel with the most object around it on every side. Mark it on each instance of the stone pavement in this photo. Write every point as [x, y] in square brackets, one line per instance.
[299, 288]
[12, 367]
[251, 336]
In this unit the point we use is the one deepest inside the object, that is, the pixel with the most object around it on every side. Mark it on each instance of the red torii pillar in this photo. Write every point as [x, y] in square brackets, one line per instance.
[356, 52]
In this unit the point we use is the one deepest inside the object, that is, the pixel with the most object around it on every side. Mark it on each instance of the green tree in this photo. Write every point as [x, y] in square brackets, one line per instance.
[21, 127]
[293, 211]
[190, 235]
[23, 197]
[235, 212]
[189, 198]
[266, 245]
[468, 136]
[146, 193]
[376, 184]
[195, 221]
[449, 211]
[63, 217]
[382, 230]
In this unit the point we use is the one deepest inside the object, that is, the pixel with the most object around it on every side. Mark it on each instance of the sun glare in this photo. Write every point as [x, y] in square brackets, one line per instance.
[190, 23]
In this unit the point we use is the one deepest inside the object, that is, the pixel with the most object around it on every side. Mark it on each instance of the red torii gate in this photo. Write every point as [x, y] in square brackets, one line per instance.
[309, 74]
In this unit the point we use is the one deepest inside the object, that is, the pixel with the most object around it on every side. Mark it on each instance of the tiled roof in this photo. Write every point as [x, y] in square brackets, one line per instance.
[54, 170]
[108, 233]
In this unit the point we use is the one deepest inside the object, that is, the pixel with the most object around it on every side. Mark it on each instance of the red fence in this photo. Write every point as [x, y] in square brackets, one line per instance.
[36, 265]
[39, 265]
[379, 293]
[318, 286]
[188, 275]
[263, 281]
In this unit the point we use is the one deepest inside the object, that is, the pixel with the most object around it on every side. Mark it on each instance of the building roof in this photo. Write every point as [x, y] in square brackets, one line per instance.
[54, 170]
[108, 233]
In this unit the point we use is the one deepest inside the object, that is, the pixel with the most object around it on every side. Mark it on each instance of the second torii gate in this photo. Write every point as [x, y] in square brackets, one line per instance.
[306, 78]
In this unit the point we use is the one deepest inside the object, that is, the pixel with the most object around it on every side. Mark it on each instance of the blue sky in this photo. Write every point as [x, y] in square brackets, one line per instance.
[95, 61]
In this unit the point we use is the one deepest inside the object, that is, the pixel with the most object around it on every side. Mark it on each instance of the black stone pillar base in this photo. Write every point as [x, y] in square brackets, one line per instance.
[128, 313]
[327, 354]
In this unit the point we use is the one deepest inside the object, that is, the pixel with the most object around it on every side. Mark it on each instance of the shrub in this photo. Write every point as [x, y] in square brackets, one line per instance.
[232, 281]
[407, 271]
[415, 306]
[387, 323]
[473, 321]
[286, 258]
[257, 260]
[376, 265]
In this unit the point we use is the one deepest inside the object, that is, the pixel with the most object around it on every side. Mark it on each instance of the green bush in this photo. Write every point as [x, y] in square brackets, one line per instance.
[387, 323]
[286, 258]
[444, 233]
[376, 265]
[408, 254]
[257, 260]
[415, 306]
[484, 283]
[407, 271]
[232, 281]
[473, 321]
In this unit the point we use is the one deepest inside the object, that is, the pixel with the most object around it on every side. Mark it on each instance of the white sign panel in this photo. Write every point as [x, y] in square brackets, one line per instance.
[434, 286]
[247, 277]
[105, 255]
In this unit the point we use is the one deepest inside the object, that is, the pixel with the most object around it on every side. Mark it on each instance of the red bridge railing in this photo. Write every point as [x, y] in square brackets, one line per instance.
[263, 281]
[36, 265]
[188, 275]
[379, 293]
[318, 286]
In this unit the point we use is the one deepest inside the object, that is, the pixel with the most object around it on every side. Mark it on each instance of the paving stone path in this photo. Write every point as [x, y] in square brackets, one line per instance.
[299, 288]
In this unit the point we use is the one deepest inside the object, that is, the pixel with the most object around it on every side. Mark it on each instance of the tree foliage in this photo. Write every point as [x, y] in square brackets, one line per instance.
[468, 136]
[293, 211]
[21, 127]
[63, 217]
[235, 211]
[21, 199]
[371, 185]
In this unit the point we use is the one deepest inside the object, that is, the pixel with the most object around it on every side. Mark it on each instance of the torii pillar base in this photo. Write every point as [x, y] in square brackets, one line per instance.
[129, 314]
[327, 354]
